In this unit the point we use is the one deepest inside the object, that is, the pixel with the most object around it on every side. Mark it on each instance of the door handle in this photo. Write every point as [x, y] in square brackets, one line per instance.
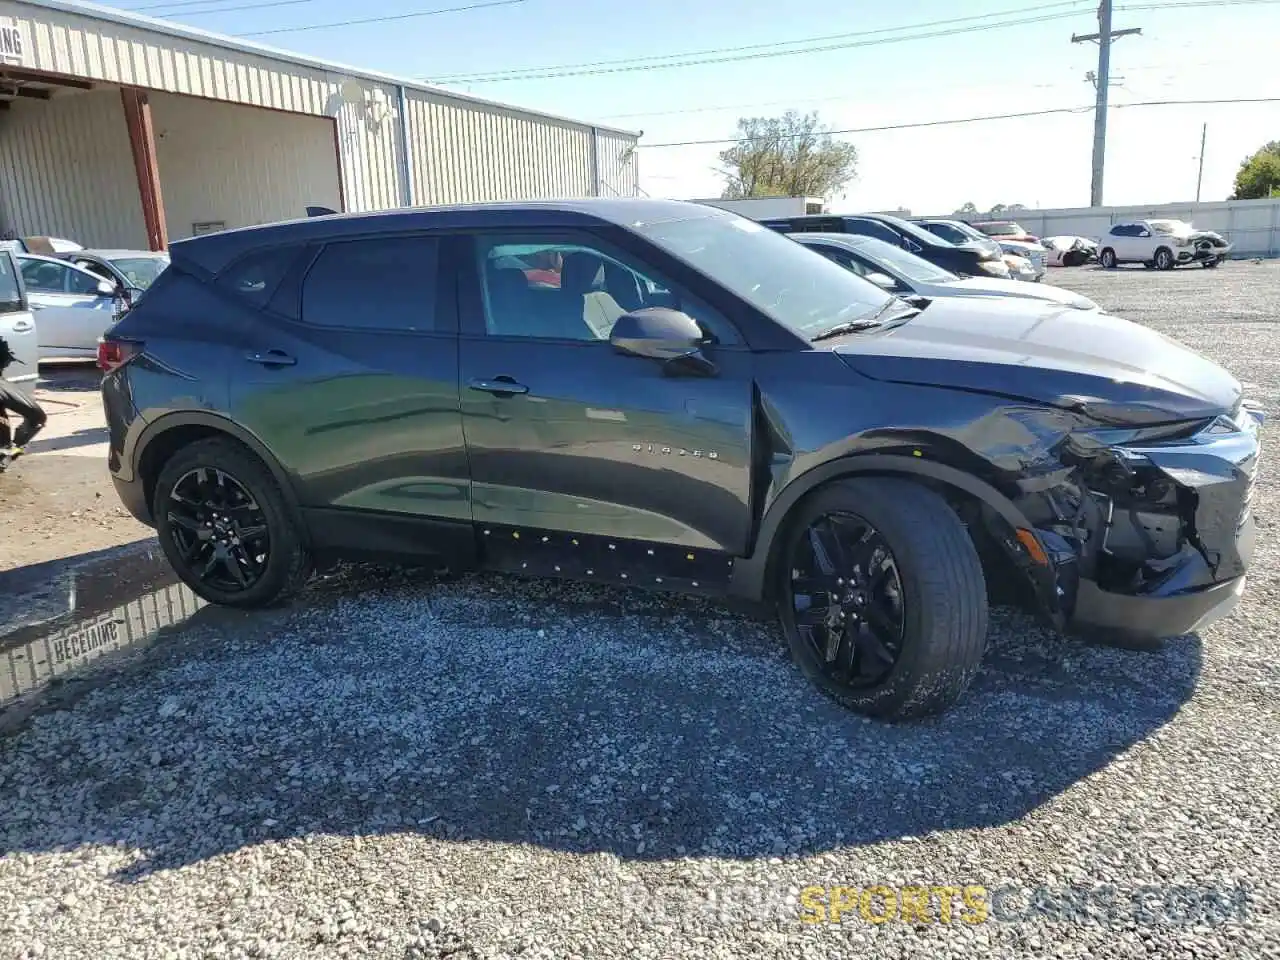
[272, 358]
[499, 386]
[22, 326]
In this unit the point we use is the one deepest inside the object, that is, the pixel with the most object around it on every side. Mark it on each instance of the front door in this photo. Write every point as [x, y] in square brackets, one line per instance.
[566, 434]
[71, 314]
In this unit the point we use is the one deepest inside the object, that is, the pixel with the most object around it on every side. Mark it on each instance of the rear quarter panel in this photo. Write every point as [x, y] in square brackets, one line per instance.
[189, 338]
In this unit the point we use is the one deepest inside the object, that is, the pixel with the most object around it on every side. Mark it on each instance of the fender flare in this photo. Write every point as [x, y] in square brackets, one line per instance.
[750, 573]
[203, 418]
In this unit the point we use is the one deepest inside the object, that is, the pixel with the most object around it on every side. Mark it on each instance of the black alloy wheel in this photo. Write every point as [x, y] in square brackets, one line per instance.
[881, 595]
[847, 598]
[227, 527]
[218, 529]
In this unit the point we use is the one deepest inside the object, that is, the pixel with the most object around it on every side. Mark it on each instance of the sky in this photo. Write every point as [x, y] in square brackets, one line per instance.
[1221, 49]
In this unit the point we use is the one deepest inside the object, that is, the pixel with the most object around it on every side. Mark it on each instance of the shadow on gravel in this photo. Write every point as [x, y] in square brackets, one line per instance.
[560, 716]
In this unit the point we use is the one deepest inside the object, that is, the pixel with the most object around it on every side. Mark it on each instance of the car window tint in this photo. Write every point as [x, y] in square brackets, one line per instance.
[81, 283]
[42, 276]
[869, 228]
[387, 284]
[255, 277]
[572, 291]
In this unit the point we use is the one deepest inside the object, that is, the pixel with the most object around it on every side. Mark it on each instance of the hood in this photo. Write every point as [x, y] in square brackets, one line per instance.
[992, 287]
[1021, 247]
[1108, 368]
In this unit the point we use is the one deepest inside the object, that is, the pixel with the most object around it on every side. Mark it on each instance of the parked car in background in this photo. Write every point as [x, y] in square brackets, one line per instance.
[1162, 244]
[1004, 230]
[133, 271]
[905, 275]
[959, 232]
[73, 306]
[1035, 253]
[17, 325]
[965, 260]
[1069, 251]
[1021, 269]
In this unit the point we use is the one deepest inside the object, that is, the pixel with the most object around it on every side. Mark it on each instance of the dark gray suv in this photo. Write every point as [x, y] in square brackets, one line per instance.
[667, 395]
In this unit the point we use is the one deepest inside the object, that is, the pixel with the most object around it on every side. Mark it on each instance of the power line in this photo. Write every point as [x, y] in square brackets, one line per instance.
[769, 50]
[754, 51]
[979, 119]
[399, 16]
[931, 88]
[172, 9]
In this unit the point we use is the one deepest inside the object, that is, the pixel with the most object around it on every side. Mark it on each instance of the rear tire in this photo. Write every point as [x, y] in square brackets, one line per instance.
[1164, 259]
[911, 624]
[226, 528]
[1108, 259]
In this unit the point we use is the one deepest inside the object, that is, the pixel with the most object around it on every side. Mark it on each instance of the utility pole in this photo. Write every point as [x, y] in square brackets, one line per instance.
[1204, 131]
[1104, 36]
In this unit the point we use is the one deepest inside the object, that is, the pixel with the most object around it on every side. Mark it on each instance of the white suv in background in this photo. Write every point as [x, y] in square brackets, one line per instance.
[1162, 244]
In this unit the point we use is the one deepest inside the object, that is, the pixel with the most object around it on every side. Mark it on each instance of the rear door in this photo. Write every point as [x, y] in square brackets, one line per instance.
[72, 313]
[566, 434]
[17, 326]
[348, 373]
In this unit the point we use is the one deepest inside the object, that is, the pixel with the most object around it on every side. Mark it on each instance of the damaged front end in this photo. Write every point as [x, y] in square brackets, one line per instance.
[1145, 531]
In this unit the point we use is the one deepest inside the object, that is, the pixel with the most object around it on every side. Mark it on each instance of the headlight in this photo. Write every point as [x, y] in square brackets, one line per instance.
[997, 268]
[1182, 241]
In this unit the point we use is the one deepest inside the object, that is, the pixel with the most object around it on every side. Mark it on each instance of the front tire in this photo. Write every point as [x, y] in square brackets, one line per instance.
[882, 597]
[1164, 259]
[1108, 259]
[226, 528]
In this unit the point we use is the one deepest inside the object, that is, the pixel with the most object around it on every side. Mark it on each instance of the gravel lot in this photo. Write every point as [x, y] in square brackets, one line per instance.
[486, 767]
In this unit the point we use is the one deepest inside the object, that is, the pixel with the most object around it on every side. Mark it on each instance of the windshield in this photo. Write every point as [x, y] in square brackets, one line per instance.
[10, 293]
[796, 287]
[901, 261]
[963, 233]
[1169, 227]
[141, 272]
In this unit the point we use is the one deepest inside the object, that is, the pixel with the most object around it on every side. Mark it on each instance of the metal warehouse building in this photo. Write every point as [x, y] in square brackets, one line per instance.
[118, 130]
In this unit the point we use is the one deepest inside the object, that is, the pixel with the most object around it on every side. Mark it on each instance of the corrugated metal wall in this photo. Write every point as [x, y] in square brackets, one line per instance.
[66, 170]
[240, 165]
[619, 175]
[464, 153]
[461, 150]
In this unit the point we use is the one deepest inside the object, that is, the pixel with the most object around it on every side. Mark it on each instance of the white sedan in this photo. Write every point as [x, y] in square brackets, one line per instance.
[73, 307]
[903, 273]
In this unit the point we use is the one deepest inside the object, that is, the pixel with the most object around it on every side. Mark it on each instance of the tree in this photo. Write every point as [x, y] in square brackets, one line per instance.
[1260, 174]
[968, 210]
[788, 156]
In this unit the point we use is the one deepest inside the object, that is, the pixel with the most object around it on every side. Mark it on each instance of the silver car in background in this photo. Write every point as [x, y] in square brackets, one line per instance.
[903, 273]
[17, 325]
[73, 306]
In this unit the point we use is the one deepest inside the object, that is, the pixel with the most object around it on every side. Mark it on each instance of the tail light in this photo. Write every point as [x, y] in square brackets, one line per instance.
[114, 354]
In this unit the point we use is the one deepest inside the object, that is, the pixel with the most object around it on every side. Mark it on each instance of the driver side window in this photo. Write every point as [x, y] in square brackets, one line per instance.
[571, 290]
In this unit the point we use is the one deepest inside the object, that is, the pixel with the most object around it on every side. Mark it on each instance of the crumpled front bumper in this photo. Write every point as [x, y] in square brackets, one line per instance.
[1189, 587]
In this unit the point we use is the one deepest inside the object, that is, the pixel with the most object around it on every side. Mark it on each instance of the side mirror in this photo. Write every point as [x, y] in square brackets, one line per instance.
[883, 281]
[106, 288]
[668, 336]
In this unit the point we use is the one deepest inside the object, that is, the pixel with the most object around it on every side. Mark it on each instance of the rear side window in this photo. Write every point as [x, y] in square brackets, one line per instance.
[255, 277]
[385, 284]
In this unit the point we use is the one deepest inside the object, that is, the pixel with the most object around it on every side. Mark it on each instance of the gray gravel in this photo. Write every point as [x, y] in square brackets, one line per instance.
[489, 767]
